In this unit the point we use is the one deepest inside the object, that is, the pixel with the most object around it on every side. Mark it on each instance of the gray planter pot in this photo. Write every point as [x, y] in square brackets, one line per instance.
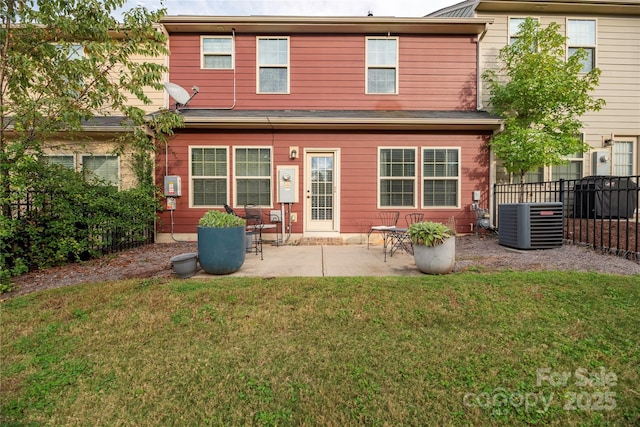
[221, 250]
[185, 265]
[440, 259]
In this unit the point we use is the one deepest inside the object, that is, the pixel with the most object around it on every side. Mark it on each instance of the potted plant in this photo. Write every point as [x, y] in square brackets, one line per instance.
[221, 242]
[434, 247]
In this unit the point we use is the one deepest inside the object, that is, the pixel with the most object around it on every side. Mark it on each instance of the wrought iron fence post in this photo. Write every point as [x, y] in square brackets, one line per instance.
[495, 205]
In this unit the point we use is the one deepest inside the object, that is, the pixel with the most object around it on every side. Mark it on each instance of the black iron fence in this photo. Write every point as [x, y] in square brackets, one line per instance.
[41, 230]
[599, 211]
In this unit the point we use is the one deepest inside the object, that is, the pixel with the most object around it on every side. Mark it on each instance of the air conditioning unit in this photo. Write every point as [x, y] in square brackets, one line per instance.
[530, 225]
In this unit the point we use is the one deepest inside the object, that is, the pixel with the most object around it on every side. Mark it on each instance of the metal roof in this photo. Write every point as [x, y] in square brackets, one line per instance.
[469, 8]
[466, 9]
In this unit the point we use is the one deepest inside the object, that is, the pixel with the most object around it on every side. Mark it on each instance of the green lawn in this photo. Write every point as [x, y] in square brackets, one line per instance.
[463, 349]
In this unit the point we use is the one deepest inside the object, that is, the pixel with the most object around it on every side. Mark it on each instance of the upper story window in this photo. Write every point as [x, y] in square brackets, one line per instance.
[382, 65]
[217, 52]
[514, 28]
[76, 51]
[397, 177]
[273, 65]
[581, 34]
[209, 173]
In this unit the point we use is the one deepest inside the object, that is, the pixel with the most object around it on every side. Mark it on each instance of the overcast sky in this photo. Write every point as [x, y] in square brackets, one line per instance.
[399, 8]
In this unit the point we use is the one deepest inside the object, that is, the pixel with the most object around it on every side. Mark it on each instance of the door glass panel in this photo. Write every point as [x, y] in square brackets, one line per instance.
[322, 188]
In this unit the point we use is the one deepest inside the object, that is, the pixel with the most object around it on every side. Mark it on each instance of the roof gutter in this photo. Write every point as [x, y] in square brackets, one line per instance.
[298, 24]
[306, 123]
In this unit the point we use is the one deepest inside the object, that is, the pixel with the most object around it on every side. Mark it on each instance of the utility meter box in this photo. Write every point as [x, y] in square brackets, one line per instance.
[172, 203]
[287, 188]
[172, 186]
[601, 163]
[275, 216]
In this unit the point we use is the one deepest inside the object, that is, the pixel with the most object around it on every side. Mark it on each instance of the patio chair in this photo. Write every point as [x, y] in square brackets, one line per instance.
[400, 239]
[255, 225]
[388, 221]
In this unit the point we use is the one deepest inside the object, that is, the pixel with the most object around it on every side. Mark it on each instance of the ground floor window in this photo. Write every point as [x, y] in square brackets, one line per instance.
[623, 158]
[209, 171]
[441, 177]
[102, 168]
[573, 169]
[397, 177]
[439, 173]
[68, 161]
[252, 168]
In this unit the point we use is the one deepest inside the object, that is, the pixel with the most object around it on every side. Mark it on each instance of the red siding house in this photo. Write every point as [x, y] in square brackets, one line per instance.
[329, 120]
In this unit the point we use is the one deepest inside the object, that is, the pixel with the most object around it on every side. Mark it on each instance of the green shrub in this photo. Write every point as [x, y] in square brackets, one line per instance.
[429, 233]
[69, 219]
[219, 219]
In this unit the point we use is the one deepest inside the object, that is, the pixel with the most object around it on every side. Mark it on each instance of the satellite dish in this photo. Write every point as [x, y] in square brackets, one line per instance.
[179, 93]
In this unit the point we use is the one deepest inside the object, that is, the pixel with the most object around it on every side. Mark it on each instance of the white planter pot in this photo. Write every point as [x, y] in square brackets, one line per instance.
[440, 259]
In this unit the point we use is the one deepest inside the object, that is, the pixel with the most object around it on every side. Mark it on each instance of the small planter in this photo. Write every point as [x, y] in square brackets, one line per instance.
[439, 259]
[434, 247]
[185, 265]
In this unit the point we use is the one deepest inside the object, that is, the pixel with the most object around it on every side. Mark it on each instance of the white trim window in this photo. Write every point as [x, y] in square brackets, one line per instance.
[623, 158]
[216, 52]
[104, 168]
[397, 177]
[273, 65]
[573, 169]
[71, 52]
[382, 65]
[440, 177]
[253, 172]
[514, 28]
[581, 34]
[536, 175]
[66, 160]
[208, 175]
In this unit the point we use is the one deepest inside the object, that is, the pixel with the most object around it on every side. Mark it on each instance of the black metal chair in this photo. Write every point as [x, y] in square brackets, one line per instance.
[388, 221]
[400, 239]
[255, 225]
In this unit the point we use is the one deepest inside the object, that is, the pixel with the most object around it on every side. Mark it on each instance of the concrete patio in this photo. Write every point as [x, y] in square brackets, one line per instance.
[315, 261]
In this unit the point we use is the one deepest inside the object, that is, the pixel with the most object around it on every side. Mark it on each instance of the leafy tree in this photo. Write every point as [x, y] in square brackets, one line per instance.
[541, 97]
[62, 63]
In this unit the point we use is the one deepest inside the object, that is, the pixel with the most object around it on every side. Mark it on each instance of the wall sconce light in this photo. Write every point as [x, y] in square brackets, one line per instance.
[293, 153]
[606, 142]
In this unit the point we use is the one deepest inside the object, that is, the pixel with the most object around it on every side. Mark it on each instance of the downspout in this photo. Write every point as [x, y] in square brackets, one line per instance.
[479, 106]
[166, 144]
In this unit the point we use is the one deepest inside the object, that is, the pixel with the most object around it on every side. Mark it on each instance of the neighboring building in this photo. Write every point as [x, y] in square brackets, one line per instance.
[365, 113]
[610, 32]
[92, 150]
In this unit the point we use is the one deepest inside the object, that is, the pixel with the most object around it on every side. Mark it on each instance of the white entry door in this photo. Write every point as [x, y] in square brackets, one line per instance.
[321, 203]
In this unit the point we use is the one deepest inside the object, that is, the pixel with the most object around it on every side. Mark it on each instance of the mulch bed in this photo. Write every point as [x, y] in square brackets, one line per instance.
[618, 236]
